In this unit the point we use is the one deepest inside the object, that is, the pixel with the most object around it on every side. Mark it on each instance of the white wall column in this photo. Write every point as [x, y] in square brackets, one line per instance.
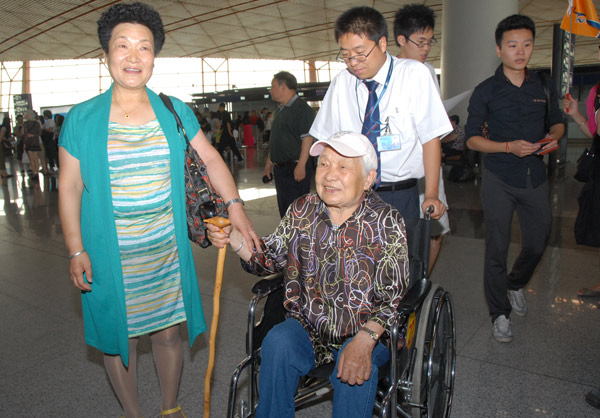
[468, 45]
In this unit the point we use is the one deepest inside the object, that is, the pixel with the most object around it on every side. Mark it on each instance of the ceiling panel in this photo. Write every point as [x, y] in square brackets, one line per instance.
[284, 29]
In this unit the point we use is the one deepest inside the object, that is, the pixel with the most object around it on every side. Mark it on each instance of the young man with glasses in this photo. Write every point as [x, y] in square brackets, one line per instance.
[394, 103]
[514, 103]
[413, 32]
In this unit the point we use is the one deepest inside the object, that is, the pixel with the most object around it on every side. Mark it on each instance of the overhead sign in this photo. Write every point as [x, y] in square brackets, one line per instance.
[22, 103]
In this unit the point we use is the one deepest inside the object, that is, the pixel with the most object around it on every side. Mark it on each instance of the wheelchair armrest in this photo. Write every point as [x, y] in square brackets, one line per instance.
[269, 284]
[414, 296]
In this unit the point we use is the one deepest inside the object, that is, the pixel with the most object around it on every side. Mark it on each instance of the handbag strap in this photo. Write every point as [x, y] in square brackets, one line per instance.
[547, 92]
[169, 105]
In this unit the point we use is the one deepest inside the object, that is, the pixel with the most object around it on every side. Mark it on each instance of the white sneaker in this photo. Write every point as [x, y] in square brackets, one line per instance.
[518, 302]
[501, 329]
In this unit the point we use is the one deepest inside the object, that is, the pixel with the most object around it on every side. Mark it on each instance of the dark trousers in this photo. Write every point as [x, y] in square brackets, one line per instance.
[288, 189]
[228, 141]
[499, 202]
[405, 201]
[51, 150]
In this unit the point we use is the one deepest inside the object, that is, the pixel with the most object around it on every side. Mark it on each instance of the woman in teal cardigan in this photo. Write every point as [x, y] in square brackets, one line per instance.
[122, 208]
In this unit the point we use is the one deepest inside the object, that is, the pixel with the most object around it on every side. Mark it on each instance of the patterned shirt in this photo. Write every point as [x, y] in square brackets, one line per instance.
[459, 143]
[337, 280]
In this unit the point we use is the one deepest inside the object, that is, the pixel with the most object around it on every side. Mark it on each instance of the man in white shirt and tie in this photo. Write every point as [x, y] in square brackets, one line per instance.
[410, 114]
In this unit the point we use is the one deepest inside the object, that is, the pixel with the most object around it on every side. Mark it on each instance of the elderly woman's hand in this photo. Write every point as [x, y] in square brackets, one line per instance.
[241, 222]
[354, 365]
[219, 237]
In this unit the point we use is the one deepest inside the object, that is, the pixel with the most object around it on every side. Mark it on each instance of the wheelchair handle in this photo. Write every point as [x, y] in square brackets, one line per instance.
[428, 211]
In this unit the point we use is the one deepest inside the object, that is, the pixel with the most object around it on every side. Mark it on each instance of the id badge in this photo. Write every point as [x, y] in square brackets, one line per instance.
[389, 143]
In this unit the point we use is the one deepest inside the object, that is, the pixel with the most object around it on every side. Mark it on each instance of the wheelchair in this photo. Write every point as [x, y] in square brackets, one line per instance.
[418, 380]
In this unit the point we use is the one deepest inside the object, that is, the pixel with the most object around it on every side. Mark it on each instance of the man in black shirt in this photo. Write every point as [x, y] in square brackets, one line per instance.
[514, 103]
[290, 143]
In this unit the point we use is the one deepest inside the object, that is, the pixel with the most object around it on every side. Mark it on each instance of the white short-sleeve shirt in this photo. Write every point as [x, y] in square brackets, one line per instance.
[411, 105]
[49, 124]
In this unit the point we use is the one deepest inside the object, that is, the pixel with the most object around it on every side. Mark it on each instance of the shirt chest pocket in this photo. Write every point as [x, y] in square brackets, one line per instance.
[399, 123]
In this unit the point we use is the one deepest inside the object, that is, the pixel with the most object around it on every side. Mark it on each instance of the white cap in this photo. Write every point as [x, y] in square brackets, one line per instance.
[349, 144]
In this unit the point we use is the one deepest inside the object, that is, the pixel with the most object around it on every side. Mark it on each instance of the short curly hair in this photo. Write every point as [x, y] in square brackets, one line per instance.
[131, 13]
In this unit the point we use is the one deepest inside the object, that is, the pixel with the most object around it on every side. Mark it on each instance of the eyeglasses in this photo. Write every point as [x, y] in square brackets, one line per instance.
[423, 44]
[357, 57]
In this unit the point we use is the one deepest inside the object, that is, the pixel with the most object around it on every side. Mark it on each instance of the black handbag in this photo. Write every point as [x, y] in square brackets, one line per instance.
[201, 199]
[585, 162]
[587, 223]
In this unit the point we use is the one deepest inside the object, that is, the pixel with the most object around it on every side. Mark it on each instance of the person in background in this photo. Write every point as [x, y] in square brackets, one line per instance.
[513, 102]
[254, 122]
[58, 120]
[112, 147]
[413, 33]
[5, 136]
[453, 144]
[226, 138]
[590, 126]
[268, 125]
[18, 133]
[246, 128]
[31, 139]
[288, 159]
[50, 146]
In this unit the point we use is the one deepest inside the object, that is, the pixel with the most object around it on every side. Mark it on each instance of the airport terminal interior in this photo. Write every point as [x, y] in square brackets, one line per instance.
[47, 369]
[547, 369]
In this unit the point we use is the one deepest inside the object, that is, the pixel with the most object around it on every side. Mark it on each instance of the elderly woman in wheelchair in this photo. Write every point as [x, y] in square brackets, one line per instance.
[344, 256]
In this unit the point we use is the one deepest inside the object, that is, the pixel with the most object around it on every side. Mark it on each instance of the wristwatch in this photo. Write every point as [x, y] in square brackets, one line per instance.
[374, 336]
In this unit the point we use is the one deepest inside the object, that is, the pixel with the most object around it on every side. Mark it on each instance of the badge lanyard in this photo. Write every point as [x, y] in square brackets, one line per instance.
[385, 86]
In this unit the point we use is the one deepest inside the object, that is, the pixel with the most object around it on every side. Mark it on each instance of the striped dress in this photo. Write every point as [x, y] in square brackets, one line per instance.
[140, 180]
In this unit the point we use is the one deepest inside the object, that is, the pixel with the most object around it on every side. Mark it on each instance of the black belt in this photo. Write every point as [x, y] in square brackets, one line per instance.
[285, 164]
[399, 185]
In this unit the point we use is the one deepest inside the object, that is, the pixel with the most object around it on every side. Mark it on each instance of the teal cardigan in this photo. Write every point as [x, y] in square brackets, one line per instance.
[84, 135]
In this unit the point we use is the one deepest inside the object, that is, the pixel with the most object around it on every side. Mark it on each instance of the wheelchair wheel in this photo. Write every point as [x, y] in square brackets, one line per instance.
[433, 374]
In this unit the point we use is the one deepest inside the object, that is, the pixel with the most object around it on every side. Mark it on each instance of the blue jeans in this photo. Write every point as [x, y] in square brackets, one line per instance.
[287, 354]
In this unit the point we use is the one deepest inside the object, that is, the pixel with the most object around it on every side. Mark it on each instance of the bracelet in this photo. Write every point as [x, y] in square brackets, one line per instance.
[241, 246]
[582, 123]
[232, 201]
[76, 254]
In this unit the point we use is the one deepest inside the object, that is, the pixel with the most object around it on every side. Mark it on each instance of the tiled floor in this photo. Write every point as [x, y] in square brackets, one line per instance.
[48, 371]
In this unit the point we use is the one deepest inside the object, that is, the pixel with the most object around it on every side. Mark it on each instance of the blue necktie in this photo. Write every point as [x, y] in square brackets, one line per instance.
[371, 128]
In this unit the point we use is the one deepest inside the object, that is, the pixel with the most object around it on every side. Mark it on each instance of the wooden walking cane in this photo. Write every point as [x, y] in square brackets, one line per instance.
[221, 223]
